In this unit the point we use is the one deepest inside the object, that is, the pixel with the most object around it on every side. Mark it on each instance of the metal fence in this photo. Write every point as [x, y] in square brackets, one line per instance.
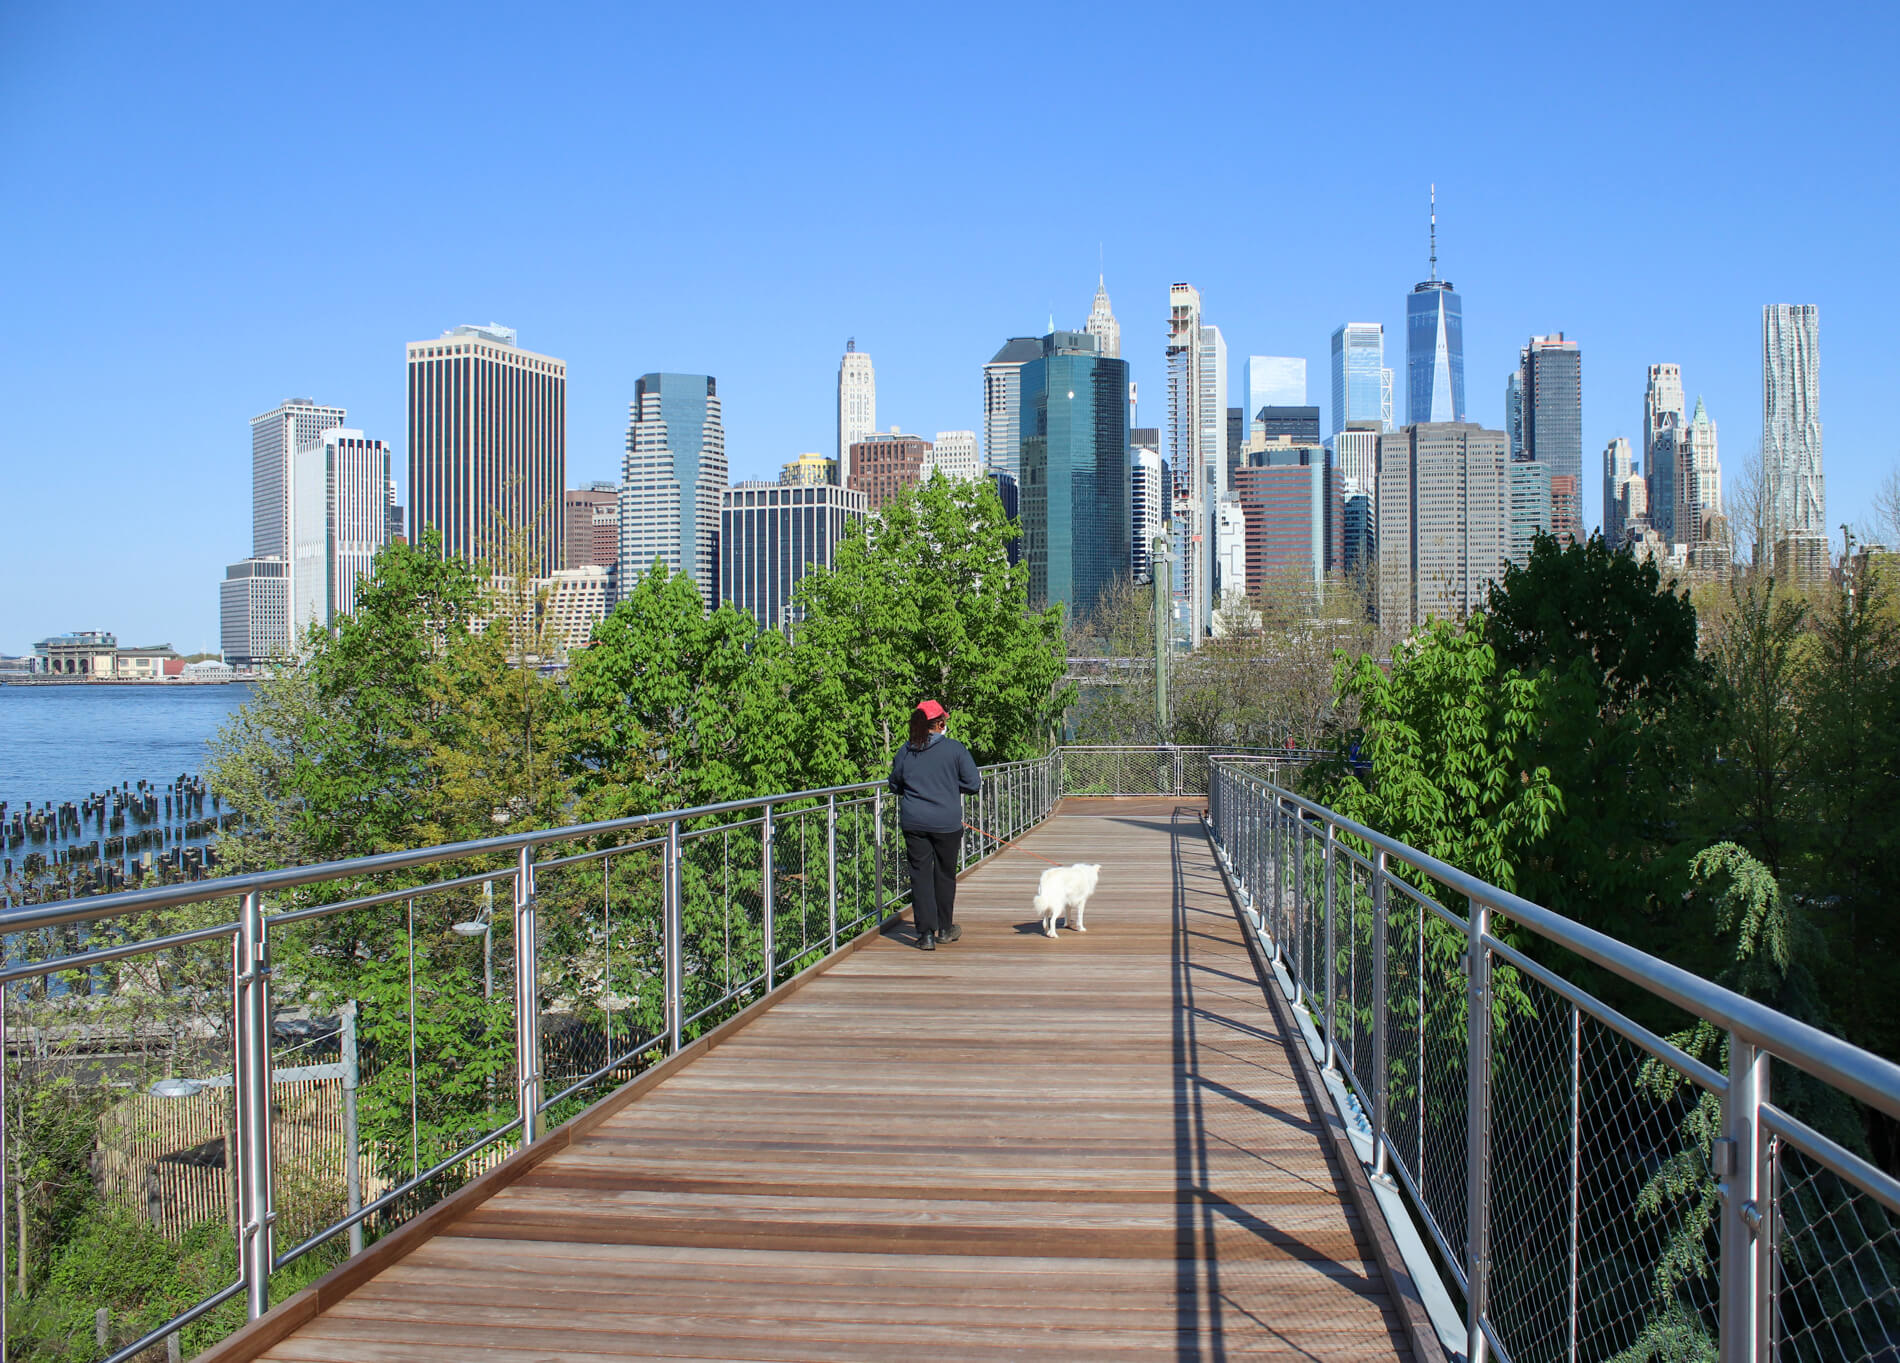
[1162, 769]
[453, 1003]
[1595, 1190]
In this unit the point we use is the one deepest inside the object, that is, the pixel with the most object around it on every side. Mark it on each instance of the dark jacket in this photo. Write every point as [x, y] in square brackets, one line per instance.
[930, 785]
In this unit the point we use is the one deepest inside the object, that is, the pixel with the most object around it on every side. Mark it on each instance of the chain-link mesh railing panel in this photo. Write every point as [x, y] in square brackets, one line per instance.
[1533, 1278]
[722, 920]
[1404, 1033]
[857, 868]
[1836, 1266]
[1353, 938]
[1445, 1099]
[800, 883]
[1647, 1246]
[1192, 770]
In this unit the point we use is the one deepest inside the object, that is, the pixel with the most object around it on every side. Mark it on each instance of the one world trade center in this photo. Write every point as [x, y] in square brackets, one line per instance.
[1434, 345]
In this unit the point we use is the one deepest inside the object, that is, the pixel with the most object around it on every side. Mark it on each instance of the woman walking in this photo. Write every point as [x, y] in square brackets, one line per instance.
[930, 776]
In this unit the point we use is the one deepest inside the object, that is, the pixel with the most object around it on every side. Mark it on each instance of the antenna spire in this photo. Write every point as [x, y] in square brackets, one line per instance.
[1434, 231]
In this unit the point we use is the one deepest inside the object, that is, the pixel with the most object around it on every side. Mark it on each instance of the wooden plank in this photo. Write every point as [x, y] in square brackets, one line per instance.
[1097, 1146]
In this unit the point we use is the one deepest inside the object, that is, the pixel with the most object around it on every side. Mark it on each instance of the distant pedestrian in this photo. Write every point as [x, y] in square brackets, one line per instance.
[930, 776]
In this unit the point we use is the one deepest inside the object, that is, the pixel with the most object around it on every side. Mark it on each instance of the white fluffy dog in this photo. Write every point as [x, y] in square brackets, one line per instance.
[1064, 893]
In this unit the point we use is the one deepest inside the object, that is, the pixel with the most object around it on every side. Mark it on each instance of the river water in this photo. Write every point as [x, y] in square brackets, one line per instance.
[61, 743]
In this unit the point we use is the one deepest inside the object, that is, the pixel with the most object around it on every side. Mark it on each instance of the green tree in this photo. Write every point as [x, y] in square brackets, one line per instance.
[922, 603]
[1624, 723]
[674, 706]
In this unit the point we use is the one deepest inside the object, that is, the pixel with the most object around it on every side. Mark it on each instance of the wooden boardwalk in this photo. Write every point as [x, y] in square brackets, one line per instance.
[1096, 1147]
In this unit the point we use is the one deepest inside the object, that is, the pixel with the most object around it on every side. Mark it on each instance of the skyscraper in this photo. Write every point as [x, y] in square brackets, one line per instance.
[1531, 507]
[1618, 469]
[810, 469]
[1443, 520]
[1434, 345]
[1290, 495]
[1002, 394]
[857, 403]
[1662, 425]
[1550, 371]
[1148, 509]
[672, 480]
[771, 535]
[487, 445]
[1356, 452]
[254, 599]
[1102, 324]
[1359, 374]
[276, 436]
[339, 523]
[1699, 481]
[1076, 485]
[1274, 381]
[1514, 411]
[1197, 412]
[1794, 493]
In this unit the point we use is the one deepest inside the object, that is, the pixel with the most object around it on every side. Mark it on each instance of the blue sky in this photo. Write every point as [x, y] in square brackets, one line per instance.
[209, 209]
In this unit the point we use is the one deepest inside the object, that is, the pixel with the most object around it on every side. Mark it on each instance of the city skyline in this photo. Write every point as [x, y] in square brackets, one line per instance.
[170, 118]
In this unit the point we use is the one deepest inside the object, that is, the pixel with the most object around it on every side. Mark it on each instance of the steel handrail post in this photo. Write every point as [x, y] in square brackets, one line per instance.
[251, 1166]
[1332, 948]
[1301, 909]
[877, 852]
[527, 1000]
[670, 899]
[352, 1136]
[1278, 837]
[1738, 1172]
[831, 870]
[1381, 1022]
[1477, 1133]
[1767, 1231]
[768, 900]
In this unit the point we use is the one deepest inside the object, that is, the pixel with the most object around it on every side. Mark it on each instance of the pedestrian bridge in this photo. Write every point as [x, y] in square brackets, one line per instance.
[1300, 1091]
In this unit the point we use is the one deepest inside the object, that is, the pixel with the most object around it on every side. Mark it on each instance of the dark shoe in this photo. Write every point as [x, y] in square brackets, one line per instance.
[926, 943]
[949, 934]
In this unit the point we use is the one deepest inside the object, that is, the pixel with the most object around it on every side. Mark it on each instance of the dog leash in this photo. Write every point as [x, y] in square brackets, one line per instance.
[1000, 844]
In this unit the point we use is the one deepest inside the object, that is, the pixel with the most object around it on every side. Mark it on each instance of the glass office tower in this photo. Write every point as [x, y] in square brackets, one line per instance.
[1434, 353]
[1358, 374]
[1076, 484]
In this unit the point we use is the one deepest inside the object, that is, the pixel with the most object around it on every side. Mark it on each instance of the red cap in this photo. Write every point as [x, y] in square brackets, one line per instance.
[931, 710]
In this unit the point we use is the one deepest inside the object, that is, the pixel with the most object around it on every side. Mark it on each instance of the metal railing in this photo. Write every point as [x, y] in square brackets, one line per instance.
[1594, 1190]
[1161, 769]
[482, 992]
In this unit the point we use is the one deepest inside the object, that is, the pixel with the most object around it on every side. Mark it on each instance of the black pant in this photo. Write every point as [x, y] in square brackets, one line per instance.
[933, 878]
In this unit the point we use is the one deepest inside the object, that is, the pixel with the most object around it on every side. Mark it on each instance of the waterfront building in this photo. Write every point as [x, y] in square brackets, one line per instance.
[772, 535]
[954, 455]
[1794, 491]
[1633, 511]
[276, 436]
[1662, 425]
[810, 470]
[1236, 439]
[1550, 380]
[487, 445]
[254, 611]
[884, 465]
[1361, 382]
[1148, 505]
[1274, 381]
[1618, 469]
[1234, 609]
[1443, 520]
[575, 600]
[1532, 508]
[1295, 513]
[1434, 345]
[1010, 496]
[672, 480]
[1360, 543]
[1002, 404]
[339, 523]
[592, 521]
[857, 404]
[1076, 487]
[1699, 516]
[1102, 324]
